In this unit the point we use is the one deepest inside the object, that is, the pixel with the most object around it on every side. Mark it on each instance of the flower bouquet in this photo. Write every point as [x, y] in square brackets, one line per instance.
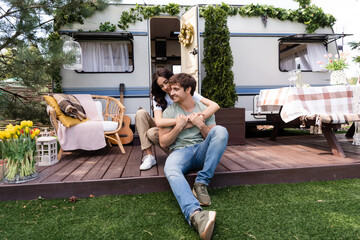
[18, 147]
[336, 64]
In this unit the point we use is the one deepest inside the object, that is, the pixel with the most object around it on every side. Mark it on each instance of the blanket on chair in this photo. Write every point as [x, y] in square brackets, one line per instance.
[87, 135]
[70, 105]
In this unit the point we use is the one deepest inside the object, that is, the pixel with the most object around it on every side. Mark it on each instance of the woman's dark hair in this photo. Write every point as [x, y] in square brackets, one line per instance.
[156, 91]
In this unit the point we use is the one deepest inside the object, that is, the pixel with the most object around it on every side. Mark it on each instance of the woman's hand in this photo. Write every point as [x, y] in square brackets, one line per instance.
[197, 119]
[181, 121]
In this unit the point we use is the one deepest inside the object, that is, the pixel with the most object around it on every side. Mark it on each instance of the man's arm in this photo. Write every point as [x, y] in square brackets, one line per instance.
[167, 136]
[198, 121]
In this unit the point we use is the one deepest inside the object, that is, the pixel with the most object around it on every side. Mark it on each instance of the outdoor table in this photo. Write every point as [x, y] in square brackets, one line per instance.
[328, 107]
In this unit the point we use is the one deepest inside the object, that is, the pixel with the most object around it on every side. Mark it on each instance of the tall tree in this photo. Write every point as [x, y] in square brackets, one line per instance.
[30, 48]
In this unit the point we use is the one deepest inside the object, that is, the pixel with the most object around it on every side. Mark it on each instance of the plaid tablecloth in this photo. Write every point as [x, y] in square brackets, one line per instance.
[330, 104]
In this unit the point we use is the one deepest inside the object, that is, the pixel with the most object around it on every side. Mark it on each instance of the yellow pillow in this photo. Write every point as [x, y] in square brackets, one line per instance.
[65, 120]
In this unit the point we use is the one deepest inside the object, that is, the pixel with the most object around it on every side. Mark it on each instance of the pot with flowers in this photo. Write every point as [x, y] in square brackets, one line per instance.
[18, 147]
[336, 64]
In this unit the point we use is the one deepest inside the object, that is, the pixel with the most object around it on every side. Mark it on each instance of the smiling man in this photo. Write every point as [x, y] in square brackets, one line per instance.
[195, 144]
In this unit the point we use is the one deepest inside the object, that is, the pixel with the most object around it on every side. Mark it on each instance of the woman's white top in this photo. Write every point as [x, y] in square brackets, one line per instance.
[196, 97]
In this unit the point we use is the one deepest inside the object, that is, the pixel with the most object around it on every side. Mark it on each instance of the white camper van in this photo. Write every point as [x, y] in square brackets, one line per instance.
[264, 52]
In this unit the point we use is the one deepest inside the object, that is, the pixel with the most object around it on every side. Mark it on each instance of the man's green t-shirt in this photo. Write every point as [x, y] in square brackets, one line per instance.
[189, 136]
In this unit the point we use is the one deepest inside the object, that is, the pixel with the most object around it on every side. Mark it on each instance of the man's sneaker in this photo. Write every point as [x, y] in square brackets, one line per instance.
[201, 193]
[204, 222]
[147, 162]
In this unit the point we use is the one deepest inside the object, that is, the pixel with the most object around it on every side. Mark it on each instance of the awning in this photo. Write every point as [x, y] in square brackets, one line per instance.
[316, 37]
[98, 35]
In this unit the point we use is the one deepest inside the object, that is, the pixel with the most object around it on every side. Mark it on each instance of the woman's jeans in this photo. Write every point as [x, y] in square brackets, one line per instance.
[204, 157]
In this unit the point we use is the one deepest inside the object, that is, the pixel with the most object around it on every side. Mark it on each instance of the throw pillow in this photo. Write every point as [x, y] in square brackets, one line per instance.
[65, 120]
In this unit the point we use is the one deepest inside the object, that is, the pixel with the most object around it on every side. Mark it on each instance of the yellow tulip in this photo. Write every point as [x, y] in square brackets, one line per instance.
[27, 129]
[2, 135]
[9, 126]
[32, 136]
[37, 131]
[8, 131]
[30, 123]
[15, 137]
[23, 124]
[18, 132]
[12, 131]
[7, 135]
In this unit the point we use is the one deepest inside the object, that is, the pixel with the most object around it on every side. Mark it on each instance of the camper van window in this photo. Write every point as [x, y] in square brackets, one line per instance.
[306, 55]
[107, 56]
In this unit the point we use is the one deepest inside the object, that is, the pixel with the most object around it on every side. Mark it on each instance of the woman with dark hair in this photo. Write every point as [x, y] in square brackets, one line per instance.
[147, 127]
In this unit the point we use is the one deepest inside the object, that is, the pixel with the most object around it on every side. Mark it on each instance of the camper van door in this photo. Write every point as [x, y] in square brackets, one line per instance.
[190, 52]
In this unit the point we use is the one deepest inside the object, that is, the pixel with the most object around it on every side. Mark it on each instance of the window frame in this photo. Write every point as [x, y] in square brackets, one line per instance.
[299, 42]
[324, 38]
[101, 36]
[111, 40]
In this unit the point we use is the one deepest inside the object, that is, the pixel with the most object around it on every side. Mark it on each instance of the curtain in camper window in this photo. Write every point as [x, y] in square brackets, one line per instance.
[105, 57]
[316, 52]
[288, 63]
[304, 59]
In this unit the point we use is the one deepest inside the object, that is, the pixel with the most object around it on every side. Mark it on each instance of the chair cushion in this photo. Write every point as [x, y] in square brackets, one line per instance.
[99, 109]
[109, 126]
[65, 120]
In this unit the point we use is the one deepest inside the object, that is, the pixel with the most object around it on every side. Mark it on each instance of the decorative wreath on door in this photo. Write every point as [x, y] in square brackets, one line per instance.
[186, 36]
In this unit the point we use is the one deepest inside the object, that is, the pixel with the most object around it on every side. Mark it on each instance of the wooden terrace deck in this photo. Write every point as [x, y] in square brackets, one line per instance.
[108, 172]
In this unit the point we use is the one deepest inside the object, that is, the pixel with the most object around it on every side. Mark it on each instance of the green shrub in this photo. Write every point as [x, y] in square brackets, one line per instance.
[218, 84]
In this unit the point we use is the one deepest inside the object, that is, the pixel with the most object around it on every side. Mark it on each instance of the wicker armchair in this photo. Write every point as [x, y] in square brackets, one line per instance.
[112, 110]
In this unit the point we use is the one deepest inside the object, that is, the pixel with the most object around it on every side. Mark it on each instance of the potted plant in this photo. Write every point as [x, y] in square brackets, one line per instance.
[336, 64]
[18, 147]
[218, 84]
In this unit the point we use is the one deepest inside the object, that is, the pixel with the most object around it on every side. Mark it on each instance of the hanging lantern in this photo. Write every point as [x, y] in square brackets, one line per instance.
[46, 147]
[73, 47]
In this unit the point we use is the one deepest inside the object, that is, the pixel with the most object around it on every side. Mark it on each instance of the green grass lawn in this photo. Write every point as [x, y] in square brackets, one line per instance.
[315, 210]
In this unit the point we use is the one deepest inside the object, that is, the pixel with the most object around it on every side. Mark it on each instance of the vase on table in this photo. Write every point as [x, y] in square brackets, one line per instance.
[338, 77]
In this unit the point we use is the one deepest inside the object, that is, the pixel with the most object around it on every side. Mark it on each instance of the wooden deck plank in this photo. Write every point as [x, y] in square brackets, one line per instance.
[281, 154]
[68, 168]
[50, 170]
[306, 153]
[240, 160]
[132, 168]
[245, 152]
[100, 167]
[275, 156]
[266, 157]
[160, 158]
[227, 162]
[117, 166]
[301, 153]
[319, 147]
[220, 167]
[346, 143]
[87, 165]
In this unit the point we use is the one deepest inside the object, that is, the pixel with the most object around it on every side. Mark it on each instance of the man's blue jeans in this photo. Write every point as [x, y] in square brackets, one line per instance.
[204, 157]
